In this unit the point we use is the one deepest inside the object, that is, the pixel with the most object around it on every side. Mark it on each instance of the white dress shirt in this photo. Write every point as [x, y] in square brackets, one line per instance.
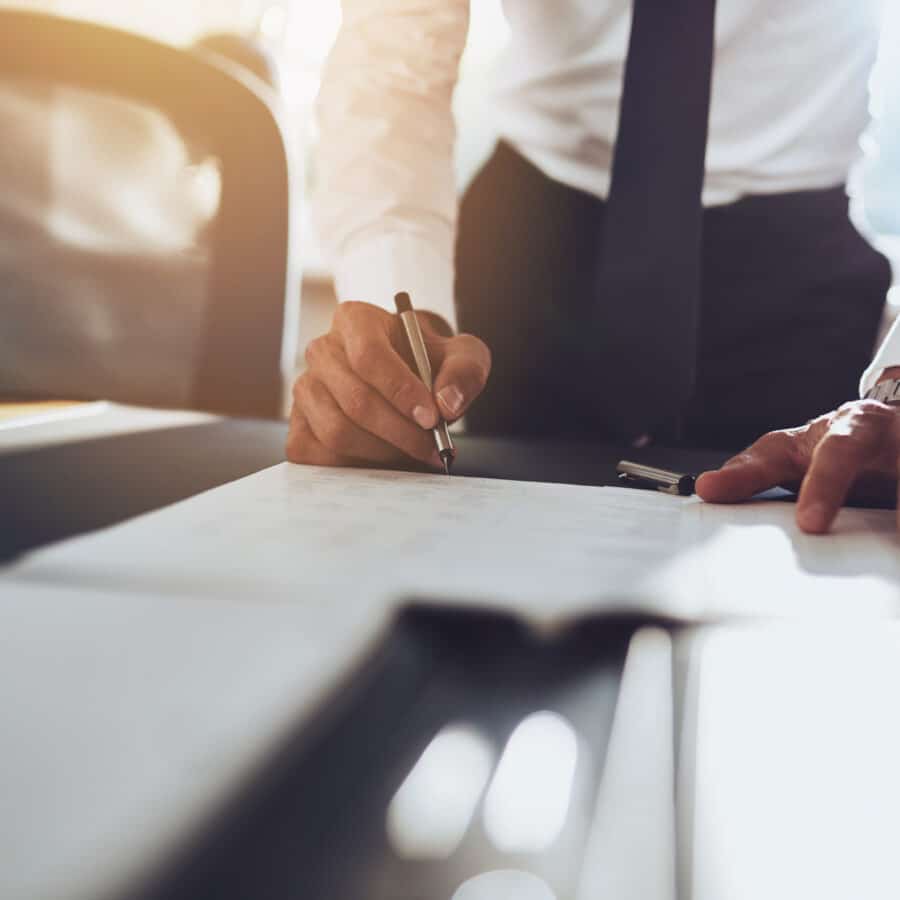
[789, 103]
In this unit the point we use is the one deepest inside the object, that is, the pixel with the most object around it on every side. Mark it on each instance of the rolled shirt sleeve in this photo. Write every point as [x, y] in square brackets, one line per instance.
[385, 202]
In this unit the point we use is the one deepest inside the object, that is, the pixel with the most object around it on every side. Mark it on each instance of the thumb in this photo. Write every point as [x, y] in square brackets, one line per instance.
[463, 364]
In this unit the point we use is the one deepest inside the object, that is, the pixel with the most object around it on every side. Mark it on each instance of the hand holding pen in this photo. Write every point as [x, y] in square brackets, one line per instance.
[360, 402]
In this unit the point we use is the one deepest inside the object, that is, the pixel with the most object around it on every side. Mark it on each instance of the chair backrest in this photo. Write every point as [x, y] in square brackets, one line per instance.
[248, 338]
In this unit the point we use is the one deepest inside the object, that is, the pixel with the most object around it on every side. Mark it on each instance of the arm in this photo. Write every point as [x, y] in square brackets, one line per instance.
[386, 199]
[386, 207]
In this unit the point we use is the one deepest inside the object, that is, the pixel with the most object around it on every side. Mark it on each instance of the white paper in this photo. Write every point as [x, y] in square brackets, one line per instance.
[546, 551]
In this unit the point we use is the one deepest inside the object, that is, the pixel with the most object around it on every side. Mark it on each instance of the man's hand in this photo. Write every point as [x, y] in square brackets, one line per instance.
[359, 401]
[853, 451]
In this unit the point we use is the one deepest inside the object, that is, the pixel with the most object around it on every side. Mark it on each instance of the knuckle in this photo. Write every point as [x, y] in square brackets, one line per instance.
[872, 411]
[862, 414]
[474, 341]
[356, 402]
[353, 315]
[862, 424]
[299, 392]
[845, 444]
[334, 432]
[817, 425]
[347, 312]
[363, 357]
[783, 447]
[780, 442]
[315, 350]
[401, 393]
[475, 348]
[480, 376]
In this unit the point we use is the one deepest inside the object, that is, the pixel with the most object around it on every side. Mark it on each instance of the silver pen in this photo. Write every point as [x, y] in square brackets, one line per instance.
[407, 314]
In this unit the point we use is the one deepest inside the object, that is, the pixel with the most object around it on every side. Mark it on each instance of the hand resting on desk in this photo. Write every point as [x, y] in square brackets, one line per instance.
[359, 401]
[851, 452]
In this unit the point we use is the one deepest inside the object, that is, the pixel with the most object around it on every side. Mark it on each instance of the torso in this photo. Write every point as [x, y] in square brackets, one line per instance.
[789, 98]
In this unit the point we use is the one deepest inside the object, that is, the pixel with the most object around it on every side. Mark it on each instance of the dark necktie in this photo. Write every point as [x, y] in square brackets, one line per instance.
[649, 274]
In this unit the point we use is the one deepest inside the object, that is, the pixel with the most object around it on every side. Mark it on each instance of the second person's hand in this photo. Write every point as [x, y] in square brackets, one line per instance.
[358, 401]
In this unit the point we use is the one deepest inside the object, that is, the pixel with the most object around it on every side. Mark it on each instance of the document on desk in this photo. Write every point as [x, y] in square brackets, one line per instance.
[545, 551]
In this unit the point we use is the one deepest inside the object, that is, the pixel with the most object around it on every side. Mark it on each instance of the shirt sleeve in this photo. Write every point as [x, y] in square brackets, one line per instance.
[887, 355]
[385, 202]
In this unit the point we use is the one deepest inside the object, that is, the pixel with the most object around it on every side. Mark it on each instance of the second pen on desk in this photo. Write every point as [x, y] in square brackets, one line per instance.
[442, 439]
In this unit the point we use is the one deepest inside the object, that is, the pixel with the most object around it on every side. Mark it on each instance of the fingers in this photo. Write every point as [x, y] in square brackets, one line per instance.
[334, 430]
[462, 364]
[352, 419]
[856, 438]
[776, 458]
[364, 332]
[303, 446]
[361, 403]
[857, 444]
[359, 400]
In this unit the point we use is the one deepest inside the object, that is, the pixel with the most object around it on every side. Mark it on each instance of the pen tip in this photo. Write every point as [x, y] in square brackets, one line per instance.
[446, 466]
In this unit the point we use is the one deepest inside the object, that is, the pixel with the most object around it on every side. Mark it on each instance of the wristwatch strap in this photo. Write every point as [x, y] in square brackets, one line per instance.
[886, 392]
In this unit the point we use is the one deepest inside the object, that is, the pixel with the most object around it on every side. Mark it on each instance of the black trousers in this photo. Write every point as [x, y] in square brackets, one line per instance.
[792, 296]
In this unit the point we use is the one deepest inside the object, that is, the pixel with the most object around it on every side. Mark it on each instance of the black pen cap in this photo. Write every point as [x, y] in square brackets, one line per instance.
[402, 302]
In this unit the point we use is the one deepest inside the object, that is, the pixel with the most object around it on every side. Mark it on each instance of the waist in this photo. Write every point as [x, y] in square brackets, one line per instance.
[814, 202]
[589, 172]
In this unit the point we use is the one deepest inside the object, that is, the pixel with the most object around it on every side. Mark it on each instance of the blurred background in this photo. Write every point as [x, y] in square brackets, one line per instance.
[298, 34]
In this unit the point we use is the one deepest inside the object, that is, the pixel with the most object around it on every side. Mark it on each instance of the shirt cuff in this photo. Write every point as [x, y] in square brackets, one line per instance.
[384, 265]
[887, 355]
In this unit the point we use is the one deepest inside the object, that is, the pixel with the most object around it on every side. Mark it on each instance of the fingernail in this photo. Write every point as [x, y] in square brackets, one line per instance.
[814, 517]
[451, 399]
[425, 418]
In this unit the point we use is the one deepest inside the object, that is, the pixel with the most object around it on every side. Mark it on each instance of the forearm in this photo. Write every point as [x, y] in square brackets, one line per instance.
[386, 199]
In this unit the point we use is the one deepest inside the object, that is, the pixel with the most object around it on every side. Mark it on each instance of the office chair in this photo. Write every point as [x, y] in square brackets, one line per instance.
[248, 326]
